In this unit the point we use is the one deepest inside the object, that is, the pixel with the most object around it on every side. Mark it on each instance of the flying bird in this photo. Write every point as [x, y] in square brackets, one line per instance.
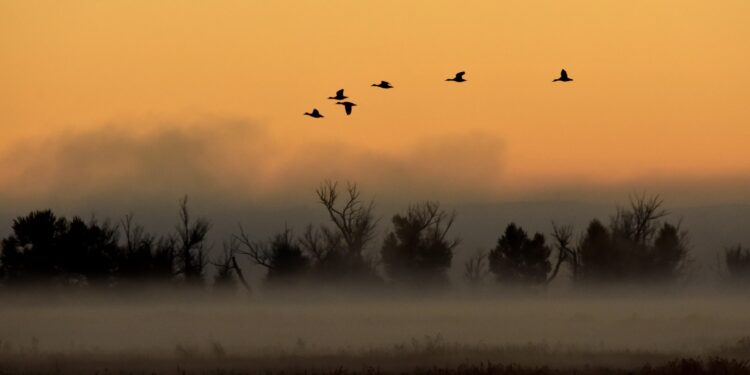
[347, 106]
[339, 95]
[383, 85]
[563, 77]
[458, 78]
[314, 114]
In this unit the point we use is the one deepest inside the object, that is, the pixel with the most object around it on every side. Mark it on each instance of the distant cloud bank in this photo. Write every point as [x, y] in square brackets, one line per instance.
[239, 159]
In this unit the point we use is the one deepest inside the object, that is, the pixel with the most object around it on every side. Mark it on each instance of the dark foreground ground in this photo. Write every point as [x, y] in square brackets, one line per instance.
[429, 356]
[714, 365]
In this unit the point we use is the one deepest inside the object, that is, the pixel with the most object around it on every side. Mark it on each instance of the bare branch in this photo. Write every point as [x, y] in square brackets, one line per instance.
[240, 275]
[258, 252]
[562, 236]
[191, 243]
[354, 220]
[475, 268]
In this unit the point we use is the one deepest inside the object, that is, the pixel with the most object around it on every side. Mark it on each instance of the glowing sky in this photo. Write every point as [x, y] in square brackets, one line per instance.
[134, 88]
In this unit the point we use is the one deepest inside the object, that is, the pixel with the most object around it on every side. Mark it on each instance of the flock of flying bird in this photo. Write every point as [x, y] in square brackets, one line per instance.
[386, 85]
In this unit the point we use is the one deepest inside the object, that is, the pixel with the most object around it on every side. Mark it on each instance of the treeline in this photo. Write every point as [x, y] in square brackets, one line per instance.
[637, 245]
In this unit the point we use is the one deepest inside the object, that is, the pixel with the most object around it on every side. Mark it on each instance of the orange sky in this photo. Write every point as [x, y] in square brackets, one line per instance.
[661, 89]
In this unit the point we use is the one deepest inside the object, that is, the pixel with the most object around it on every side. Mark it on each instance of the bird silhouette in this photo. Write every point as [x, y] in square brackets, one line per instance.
[347, 106]
[458, 78]
[314, 114]
[339, 95]
[383, 85]
[563, 77]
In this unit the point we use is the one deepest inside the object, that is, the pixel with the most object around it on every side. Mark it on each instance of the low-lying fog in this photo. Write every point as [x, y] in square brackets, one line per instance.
[687, 323]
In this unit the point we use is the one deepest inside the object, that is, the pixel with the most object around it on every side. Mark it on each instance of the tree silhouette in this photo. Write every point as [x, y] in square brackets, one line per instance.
[354, 219]
[190, 242]
[89, 251]
[475, 268]
[738, 263]
[598, 257]
[638, 223]
[31, 254]
[338, 251]
[224, 279]
[563, 237]
[46, 249]
[519, 259]
[668, 253]
[417, 250]
[636, 246]
[143, 258]
[282, 256]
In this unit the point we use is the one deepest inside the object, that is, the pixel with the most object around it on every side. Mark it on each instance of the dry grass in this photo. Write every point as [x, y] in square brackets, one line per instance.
[426, 356]
[544, 335]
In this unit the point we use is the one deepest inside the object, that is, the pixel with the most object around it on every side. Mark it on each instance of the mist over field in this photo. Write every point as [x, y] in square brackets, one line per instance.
[395, 331]
[689, 322]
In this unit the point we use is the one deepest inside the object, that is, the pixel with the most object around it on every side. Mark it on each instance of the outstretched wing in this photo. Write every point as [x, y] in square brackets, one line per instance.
[340, 92]
[564, 74]
[385, 83]
[348, 108]
[460, 75]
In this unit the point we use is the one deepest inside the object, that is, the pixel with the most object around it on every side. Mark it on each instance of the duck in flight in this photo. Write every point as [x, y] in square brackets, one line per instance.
[347, 106]
[458, 78]
[314, 114]
[383, 85]
[563, 77]
[339, 95]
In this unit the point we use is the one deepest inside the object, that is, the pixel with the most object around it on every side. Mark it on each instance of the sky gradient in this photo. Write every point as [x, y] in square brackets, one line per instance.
[172, 97]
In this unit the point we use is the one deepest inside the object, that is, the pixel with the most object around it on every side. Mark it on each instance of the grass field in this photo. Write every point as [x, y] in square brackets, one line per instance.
[432, 358]
[692, 334]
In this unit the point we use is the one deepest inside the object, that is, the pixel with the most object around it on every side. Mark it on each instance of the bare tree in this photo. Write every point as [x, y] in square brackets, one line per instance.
[143, 257]
[282, 255]
[258, 252]
[227, 264]
[133, 233]
[352, 216]
[224, 278]
[639, 223]
[191, 244]
[738, 262]
[637, 246]
[562, 236]
[321, 243]
[475, 268]
[338, 250]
